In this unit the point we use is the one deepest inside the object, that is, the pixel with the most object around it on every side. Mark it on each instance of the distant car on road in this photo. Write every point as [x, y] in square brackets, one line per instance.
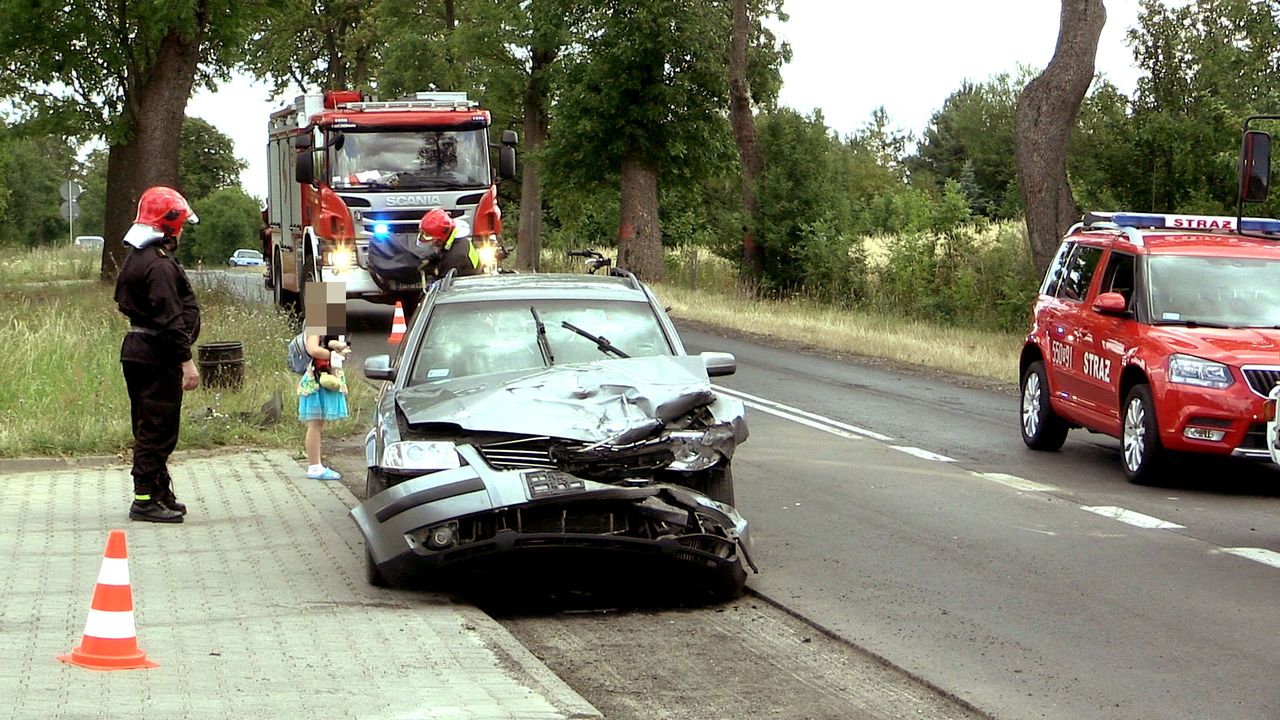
[551, 418]
[89, 242]
[245, 257]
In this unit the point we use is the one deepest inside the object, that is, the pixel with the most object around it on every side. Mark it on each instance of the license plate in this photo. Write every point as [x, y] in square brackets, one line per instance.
[548, 483]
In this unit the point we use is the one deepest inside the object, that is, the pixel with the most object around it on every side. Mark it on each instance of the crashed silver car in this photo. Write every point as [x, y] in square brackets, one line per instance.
[551, 421]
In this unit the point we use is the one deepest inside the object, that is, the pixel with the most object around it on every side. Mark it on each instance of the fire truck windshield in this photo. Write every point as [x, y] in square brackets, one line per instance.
[1214, 291]
[410, 159]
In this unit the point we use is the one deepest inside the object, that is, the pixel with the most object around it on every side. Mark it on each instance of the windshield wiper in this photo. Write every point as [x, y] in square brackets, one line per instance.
[1194, 323]
[543, 346]
[602, 343]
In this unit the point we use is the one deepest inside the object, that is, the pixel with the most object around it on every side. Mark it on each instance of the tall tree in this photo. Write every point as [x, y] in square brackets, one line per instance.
[315, 44]
[744, 131]
[124, 68]
[1043, 120]
[207, 160]
[644, 97]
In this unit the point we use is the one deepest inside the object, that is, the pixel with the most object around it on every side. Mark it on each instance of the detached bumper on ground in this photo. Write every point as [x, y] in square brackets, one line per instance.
[475, 523]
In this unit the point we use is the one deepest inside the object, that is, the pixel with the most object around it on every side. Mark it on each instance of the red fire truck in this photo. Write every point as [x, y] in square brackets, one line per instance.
[348, 173]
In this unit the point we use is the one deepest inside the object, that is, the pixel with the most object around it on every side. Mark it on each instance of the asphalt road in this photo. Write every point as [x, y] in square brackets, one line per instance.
[900, 512]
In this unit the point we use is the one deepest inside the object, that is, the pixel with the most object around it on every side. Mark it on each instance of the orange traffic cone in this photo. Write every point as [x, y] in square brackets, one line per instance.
[398, 327]
[110, 641]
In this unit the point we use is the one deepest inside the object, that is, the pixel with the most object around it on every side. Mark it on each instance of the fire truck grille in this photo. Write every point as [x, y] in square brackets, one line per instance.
[1262, 378]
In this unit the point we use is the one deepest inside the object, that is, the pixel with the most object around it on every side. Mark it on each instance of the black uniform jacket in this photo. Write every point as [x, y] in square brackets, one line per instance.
[155, 294]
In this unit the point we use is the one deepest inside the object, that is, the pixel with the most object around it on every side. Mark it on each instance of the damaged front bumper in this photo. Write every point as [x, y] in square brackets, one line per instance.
[475, 521]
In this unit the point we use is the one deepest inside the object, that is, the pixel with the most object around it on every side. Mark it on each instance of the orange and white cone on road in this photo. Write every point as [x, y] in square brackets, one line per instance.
[398, 326]
[110, 641]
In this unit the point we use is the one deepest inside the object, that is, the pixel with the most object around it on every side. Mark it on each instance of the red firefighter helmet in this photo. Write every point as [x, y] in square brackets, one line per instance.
[162, 212]
[437, 226]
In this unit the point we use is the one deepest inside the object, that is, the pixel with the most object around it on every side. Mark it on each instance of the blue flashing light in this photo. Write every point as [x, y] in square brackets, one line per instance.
[382, 230]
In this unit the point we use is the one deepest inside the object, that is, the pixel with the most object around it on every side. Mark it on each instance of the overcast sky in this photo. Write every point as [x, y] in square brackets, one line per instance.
[848, 58]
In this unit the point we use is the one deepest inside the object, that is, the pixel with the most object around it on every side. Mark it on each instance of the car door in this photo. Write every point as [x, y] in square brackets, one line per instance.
[1103, 339]
[1067, 330]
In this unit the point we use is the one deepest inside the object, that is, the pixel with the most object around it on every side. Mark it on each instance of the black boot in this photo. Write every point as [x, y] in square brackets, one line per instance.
[165, 496]
[153, 511]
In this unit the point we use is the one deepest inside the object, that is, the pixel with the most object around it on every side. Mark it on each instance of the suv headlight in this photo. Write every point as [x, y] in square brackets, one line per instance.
[420, 455]
[1191, 370]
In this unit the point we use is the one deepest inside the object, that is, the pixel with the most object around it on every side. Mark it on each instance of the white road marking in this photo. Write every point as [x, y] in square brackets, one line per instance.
[760, 403]
[921, 453]
[1266, 557]
[1130, 517]
[1016, 482]
[801, 420]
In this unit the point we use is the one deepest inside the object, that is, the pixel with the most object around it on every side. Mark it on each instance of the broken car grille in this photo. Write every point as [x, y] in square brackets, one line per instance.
[527, 452]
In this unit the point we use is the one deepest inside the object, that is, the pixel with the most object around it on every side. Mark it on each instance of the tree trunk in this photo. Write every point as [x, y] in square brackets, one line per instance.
[640, 231]
[1043, 119]
[744, 131]
[529, 239]
[156, 105]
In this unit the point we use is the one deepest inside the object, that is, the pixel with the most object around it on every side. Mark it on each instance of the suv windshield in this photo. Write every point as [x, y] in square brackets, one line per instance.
[476, 338]
[417, 159]
[1236, 292]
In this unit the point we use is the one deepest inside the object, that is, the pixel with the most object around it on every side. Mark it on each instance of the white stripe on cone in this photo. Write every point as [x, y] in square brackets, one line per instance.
[110, 625]
[114, 571]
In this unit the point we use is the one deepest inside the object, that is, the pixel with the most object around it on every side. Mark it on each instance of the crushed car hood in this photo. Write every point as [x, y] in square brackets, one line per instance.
[610, 400]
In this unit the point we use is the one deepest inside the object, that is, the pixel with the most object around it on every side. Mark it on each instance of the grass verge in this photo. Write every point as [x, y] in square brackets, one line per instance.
[62, 392]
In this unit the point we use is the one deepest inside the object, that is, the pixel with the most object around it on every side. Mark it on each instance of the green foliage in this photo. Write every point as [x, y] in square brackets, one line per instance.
[206, 160]
[33, 169]
[229, 219]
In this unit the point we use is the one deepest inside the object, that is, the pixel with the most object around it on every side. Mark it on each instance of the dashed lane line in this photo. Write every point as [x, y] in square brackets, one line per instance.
[1015, 482]
[803, 421]
[1266, 557]
[922, 453]
[794, 412]
[1130, 517]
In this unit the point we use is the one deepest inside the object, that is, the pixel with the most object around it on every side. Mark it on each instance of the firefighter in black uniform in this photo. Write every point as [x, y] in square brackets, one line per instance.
[438, 230]
[164, 322]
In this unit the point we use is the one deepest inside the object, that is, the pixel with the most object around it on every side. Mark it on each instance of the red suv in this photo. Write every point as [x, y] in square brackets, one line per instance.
[1160, 330]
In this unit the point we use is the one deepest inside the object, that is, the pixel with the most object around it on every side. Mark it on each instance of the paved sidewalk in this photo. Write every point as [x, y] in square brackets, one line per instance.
[255, 607]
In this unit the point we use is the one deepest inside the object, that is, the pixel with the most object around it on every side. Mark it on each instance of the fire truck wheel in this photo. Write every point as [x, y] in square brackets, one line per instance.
[1143, 455]
[1042, 428]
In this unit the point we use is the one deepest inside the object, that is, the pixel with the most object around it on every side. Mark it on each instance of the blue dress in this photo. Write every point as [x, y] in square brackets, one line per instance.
[318, 403]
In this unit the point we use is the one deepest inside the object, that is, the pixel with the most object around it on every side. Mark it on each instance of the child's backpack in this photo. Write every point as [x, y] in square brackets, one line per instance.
[298, 358]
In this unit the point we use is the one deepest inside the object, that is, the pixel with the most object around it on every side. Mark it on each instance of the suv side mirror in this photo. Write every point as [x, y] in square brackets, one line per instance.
[378, 367]
[1111, 303]
[1255, 166]
[719, 364]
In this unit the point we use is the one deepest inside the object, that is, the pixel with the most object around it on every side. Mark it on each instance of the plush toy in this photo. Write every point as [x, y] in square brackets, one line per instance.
[329, 372]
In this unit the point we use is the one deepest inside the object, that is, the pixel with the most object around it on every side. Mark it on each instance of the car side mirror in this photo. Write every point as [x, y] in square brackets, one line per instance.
[378, 367]
[719, 364]
[1255, 166]
[1111, 303]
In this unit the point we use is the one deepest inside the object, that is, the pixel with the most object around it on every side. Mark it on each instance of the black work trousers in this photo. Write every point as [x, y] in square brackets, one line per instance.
[155, 407]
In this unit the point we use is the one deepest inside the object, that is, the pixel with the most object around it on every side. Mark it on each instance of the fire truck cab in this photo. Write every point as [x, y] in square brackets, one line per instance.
[347, 171]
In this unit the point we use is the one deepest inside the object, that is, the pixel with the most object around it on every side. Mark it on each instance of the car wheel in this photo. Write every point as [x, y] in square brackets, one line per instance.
[1042, 428]
[716, 483]
[374, 483]
[1141, 451]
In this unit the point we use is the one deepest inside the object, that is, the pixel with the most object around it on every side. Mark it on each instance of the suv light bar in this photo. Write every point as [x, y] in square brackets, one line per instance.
[1184, 222]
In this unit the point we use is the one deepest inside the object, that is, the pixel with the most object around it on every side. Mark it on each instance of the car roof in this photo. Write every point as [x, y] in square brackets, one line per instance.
[516, 286]
[1182, 242]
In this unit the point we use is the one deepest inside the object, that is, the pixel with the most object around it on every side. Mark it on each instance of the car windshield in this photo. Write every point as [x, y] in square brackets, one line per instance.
[249, 254]
[418, 159]
[1234, 292]
[476, 338]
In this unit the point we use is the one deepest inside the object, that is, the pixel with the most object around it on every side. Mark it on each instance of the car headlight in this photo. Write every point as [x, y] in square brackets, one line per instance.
[420, 455]
[695, 449]
[1190, 370]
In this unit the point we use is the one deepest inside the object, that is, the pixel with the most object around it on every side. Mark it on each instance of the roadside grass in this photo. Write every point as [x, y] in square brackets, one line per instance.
[62, 392]
[48, 264]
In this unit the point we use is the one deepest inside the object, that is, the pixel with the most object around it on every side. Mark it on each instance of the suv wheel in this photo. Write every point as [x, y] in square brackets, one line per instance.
[1042, 428]
[1142, 453]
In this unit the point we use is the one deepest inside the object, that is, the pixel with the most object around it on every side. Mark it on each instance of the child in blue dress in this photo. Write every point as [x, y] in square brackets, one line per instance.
[322, 395]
